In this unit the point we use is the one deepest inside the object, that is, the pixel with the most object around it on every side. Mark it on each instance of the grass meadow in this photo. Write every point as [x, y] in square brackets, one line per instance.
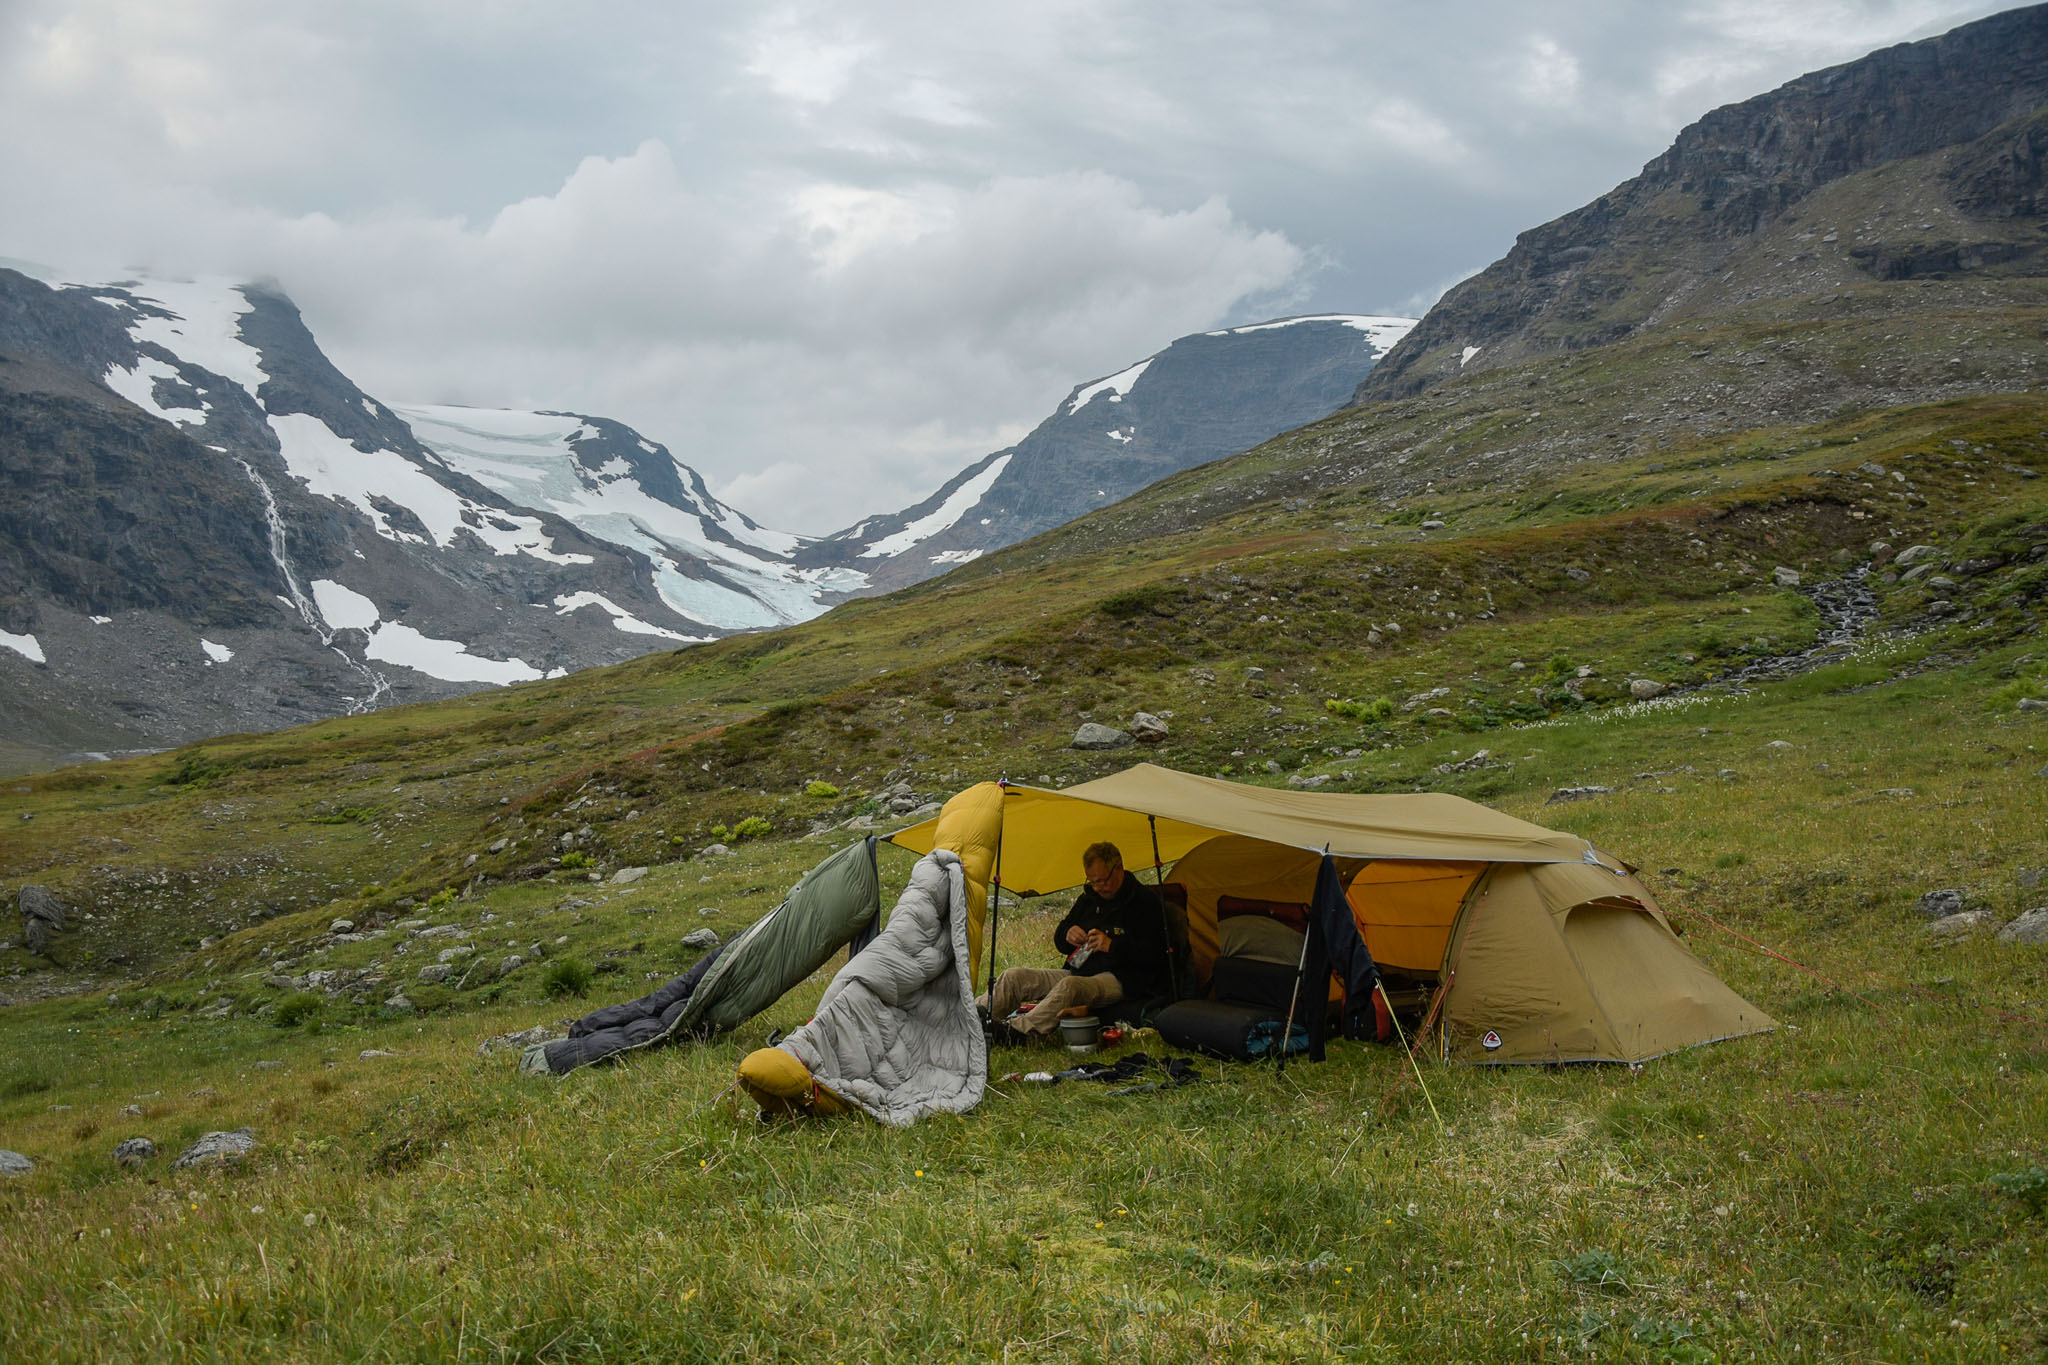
[1853, 1186]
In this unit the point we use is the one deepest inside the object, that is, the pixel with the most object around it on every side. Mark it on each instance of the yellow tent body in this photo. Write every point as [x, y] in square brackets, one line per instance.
[1537, 946]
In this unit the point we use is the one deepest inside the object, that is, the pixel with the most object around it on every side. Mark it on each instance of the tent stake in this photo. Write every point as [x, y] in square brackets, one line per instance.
[1381, 987]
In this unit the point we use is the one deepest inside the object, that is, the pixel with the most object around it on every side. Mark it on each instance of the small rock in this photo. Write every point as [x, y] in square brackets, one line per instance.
[455, 954]
[714, 851]
[134, 1151]
[1913, 554]
[398, 1002]
[1308, 783]
[1896, 791]
[42, 914]
[2030, 928]
[1093, 735]
[131, 1111]
[1147, 728]
[1577, 575]
[1956, 926]
[218, 1148]
[342, 926]
[14, 1163]
[1780, 746]
[1942, 904]
[500, 846]
[1254, 674]
[2032, 704]
[628, 874]
[511, 964]
[1432, 525]
[434, 973]
[701, 938]
[1273, 766]
[1577, 794]
[268, 1064]
[369, 1052]
[1373, 637]
[1785, 576]
[1642, 689]
[517, 1042]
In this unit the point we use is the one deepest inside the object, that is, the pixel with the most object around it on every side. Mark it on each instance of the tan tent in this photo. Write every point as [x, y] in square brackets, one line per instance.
[1533, 945]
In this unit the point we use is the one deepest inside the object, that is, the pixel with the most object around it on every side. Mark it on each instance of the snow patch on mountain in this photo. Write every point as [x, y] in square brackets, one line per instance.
[1381, 332]
[27, 646]
[531, 459]
[219, 654]
[334, 468]
[1116, 386]
[951, 510]
[138, 386]
[449, 660]
[204, 329]
[621, 618]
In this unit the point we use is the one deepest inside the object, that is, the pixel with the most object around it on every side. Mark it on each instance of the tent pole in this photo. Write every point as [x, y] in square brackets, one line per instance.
[1165, 921]
[995, 909]
[1287, 1031]
[1293, 999]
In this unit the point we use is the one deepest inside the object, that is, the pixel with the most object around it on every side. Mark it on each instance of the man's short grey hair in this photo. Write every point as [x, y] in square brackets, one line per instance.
[1106, 853]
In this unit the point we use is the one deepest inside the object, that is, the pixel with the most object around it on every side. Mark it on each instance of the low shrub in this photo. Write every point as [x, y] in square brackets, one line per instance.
[297, 1009]
[821, 789]
[565, 976]
[1379, 708]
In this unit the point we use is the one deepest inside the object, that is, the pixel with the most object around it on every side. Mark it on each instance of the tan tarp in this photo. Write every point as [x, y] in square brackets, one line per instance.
[1545, 949]
[1045, 831]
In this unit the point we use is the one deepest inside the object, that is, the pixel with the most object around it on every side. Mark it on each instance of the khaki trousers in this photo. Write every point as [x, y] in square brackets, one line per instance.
[1056, 991]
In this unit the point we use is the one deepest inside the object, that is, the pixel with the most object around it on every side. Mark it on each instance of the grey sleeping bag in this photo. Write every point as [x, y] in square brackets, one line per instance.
[896, 1032]
[832, 904]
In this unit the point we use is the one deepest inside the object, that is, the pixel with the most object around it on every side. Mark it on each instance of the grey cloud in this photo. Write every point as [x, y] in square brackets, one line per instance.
[828, 254]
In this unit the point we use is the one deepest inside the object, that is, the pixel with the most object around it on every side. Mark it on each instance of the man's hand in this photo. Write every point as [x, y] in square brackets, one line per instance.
[1097, 940]
[1076, 936]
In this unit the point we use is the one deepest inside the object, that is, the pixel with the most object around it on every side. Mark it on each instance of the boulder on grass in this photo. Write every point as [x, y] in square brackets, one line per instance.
[1096, 736]
[2030, 928]
[217, 1149]
[1942, 904]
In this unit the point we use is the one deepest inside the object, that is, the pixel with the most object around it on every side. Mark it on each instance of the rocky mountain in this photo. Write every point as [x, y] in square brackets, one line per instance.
[1773, 198]
[1202, 398]
[211, 527]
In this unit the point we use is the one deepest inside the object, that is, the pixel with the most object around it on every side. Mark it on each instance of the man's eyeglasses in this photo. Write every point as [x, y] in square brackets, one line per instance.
[1107, 879]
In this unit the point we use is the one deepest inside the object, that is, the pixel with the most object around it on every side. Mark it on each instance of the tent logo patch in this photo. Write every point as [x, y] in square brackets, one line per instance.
[1491, 1041]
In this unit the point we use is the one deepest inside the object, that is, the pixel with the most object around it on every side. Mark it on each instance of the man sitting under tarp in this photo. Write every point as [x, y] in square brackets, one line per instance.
[1115, 944]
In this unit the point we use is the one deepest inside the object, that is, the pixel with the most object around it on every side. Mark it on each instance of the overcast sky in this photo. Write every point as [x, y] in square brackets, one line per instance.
[831, 253]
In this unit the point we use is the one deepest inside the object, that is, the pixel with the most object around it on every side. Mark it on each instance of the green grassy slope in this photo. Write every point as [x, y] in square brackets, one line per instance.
[1828, 1187]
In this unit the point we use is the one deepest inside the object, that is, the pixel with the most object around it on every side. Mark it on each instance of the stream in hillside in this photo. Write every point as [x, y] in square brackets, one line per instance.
[380, 686]
[1848, 608]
